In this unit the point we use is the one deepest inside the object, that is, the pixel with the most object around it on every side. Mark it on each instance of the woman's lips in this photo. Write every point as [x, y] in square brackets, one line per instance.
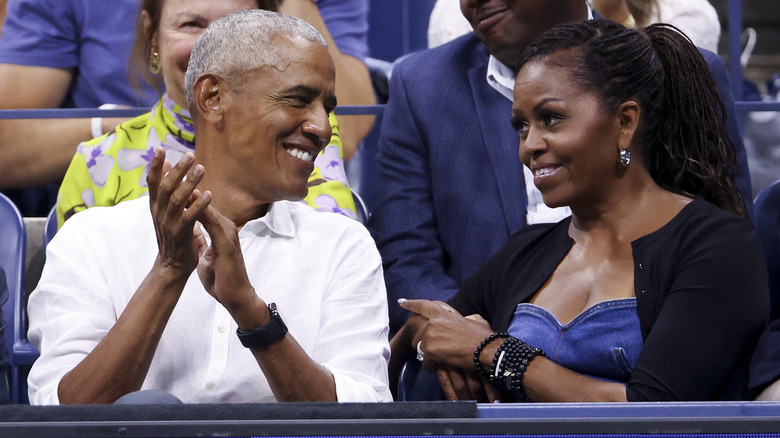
[544, 172]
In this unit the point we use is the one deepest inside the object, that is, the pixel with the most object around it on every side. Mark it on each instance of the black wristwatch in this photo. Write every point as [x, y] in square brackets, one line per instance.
[266, 335]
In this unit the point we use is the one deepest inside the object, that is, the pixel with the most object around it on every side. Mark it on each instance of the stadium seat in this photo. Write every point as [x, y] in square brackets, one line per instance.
[50, 229]
[12, 257]
[766, 218]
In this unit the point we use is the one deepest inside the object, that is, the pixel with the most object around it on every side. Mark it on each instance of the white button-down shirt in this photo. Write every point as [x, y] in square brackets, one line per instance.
[321, 269]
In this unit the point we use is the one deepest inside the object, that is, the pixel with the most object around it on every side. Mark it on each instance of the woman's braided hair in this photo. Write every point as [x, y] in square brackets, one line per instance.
[683, 130]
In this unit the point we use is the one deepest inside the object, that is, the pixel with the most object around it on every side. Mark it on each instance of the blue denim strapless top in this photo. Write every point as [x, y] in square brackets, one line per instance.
[603, 342]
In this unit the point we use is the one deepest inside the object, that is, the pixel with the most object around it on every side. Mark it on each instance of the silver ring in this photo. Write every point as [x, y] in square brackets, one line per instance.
[420, 353]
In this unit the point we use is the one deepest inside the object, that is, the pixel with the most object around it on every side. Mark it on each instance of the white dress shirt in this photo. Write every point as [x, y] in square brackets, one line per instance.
[321, 269]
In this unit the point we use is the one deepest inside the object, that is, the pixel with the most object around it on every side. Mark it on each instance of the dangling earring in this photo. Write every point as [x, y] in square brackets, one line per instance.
[625, 157]
[154, 63]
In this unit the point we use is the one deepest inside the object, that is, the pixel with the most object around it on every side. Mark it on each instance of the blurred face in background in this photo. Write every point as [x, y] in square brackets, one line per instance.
[181, 23]
[506, 27]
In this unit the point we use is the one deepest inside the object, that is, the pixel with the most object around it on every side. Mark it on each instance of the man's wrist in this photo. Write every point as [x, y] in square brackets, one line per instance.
[265, 335]
[170, 272]
[250, 315]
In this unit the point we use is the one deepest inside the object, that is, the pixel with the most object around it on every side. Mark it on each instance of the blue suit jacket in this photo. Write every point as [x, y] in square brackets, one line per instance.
[449, 187]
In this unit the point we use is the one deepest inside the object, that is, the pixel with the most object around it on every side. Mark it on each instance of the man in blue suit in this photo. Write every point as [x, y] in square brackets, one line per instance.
[450, 187]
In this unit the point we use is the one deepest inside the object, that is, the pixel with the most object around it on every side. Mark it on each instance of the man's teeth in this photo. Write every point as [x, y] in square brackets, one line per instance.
[543, 171]
[301, 155]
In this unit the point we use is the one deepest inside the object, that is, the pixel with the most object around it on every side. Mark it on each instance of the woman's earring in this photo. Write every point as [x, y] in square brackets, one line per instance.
[625, 157]
[154, 63]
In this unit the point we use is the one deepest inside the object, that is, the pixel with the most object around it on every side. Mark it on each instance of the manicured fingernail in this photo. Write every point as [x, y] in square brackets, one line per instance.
[401, 300]
[197, 170]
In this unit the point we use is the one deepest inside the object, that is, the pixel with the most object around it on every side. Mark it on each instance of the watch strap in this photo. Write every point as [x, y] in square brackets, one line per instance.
[266, 335]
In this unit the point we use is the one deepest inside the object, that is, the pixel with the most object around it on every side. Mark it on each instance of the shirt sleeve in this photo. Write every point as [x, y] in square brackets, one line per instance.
[40, 33]
[347, 22]
[68, 316]
[353, 334]
[714, 310]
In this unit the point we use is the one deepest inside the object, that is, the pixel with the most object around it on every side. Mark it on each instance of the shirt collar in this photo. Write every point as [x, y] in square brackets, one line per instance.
[502, 78]
[279, 220]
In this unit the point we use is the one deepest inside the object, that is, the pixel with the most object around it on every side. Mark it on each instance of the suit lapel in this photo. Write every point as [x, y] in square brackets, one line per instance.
[501, 146]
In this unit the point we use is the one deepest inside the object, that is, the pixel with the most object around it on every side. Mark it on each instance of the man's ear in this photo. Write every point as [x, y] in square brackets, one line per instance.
[628, 112]
[208, 98]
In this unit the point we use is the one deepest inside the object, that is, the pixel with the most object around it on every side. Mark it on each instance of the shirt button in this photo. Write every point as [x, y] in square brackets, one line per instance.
[644, 293]
[641, 266]
[221, 328]
[210, 385]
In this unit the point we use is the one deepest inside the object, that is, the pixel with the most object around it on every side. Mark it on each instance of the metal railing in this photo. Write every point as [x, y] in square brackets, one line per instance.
[75, 113]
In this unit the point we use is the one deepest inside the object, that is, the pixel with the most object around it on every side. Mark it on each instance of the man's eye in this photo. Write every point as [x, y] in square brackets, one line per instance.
[300, 100]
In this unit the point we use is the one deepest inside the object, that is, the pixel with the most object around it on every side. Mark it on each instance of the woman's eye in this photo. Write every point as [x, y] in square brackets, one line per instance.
[521, 126]
[551, 119]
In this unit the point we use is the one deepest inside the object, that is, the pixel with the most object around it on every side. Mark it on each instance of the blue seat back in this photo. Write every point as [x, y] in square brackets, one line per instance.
[13, 241]
[50, 229]
[766, 218]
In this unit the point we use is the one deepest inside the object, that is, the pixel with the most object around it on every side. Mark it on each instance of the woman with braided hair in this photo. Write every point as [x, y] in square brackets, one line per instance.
[655, 288]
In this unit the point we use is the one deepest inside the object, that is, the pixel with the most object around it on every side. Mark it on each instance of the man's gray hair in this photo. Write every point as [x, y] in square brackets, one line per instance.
[241, 42]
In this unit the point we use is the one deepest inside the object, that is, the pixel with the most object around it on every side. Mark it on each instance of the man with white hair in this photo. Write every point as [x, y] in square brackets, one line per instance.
[119, 308]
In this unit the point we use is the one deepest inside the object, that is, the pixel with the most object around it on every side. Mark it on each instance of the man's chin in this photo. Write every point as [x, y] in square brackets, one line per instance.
[296, 195]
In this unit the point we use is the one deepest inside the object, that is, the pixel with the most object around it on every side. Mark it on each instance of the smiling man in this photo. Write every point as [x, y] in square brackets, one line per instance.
[140, 301]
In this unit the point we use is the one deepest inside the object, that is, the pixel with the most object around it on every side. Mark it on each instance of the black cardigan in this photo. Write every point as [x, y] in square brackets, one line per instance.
[702, 298]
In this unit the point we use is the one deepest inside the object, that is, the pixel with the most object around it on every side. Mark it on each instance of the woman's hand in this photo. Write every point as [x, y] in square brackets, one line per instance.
[448, 341]
[466, 384]
[175, 204]
[401, 349]
[459, 384]
[448, 338]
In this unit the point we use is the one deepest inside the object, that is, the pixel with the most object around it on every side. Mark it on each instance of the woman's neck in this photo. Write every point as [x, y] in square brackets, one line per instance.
[626, 218]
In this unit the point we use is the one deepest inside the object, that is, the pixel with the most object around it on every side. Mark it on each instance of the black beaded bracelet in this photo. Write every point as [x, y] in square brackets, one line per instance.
[481, 371]
[510, 363]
